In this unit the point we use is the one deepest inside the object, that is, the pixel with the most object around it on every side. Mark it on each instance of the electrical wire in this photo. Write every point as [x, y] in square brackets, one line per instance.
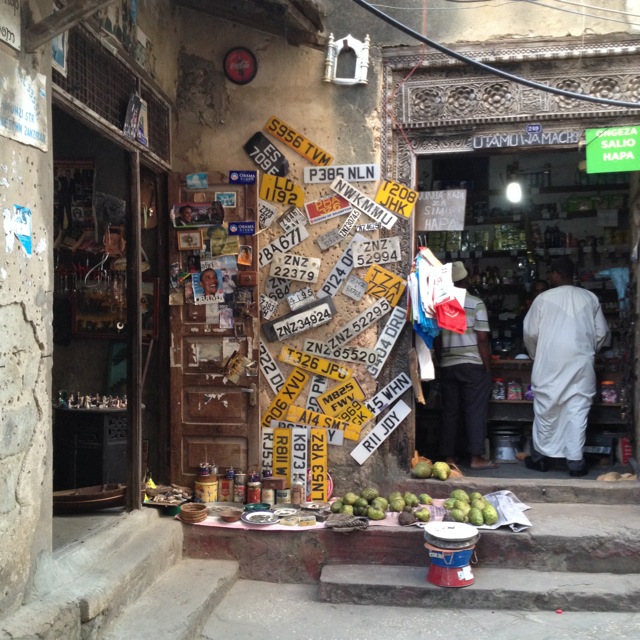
[488, 68]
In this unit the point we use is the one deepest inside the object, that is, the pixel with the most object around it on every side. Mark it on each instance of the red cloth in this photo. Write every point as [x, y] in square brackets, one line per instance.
[450, 315]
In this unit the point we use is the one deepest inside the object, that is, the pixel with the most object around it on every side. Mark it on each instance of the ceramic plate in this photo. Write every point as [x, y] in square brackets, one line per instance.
[260, 517]
[285, 511]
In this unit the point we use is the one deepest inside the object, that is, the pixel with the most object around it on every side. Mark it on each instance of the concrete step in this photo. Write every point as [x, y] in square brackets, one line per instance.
[519, 589]
[178, 605]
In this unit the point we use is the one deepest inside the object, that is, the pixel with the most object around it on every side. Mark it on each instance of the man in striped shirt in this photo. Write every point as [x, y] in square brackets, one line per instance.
[465, 375]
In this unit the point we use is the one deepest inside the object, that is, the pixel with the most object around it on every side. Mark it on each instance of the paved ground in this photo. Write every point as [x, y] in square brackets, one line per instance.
[263, 611]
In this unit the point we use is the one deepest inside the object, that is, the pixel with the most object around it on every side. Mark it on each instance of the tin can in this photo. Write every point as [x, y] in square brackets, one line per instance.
[283, 496]
[241, 478]
[240, 493]
[225, 494]
[268, 497]
[205, 491]
[297, 493]
[253, 492]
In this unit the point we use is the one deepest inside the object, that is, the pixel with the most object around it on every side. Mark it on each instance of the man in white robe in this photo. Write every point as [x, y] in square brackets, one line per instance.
[563, 330]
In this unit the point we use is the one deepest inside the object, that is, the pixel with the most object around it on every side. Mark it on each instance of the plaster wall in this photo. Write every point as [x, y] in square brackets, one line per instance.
[26, 177]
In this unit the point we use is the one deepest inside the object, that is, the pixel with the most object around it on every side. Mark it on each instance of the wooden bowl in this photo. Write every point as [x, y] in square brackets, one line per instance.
[230, 515]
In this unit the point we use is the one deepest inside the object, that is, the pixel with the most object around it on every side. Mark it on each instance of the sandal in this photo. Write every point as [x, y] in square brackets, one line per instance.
[488, 464]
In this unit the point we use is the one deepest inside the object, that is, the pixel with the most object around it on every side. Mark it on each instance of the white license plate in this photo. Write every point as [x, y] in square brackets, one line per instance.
[301, 298]
[270, 369]
[329, 239]
[359, 200]
[349, 223]
[317, 388]
[354, 288]
[291, 218]
[388, 337]
[266, 214]
[350, 172]
[389, 394]
[381, 251]
[313, 315]
[339, 272]
[358, 355]
[293, 267]
[359, 323]
[268, 307]
[277, 288]
[282, 244]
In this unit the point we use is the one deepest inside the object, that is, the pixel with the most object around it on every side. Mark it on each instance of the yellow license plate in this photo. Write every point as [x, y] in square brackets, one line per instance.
[287, 395]
[337, 398]
[296, 141]
[315, 419]
[384, 284]
[281, 190]
[397, 198]
[316, 365]
[355, 413]
[318, 465]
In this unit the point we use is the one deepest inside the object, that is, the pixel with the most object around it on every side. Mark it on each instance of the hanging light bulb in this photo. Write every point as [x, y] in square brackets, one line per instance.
[514, 192]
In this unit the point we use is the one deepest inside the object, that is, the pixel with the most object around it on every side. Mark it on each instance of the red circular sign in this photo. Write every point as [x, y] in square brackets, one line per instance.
[240, 65]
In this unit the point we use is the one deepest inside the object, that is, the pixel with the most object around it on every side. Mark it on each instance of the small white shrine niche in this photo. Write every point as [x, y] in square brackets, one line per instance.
[347, 61]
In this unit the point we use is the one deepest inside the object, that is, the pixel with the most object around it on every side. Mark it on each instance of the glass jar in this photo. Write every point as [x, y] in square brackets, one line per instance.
[608, 392]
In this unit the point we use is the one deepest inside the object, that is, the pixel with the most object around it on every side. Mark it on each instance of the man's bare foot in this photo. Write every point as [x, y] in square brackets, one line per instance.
[478, 463]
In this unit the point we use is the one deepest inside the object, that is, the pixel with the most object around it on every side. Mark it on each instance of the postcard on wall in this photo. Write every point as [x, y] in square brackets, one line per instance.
[197, 214]
[207, 283]
[228, 199]
[59, 46]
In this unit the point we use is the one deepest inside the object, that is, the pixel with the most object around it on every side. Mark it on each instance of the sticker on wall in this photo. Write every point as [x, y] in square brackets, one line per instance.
[296, 141]
[349, 223]
[340, 271]
[350, 172]
[242, 228]
[240, 65]
[380, 432]
[294, 267]
[318, 466]
[389, 394]
[359, 355]
[266, 155]
[291, 218]
[382, 283]
[21, 226]
[361, 322]
[270, 369]
[301, 298]
[318, 387]
[354, 288]
[397, 198]
[282, 244]
[266, 214]
[287, 395]
[281, 190]
[303, 416]
[197, 181]
[381, 251]
[369, 226]
[329, 239]
[268, 307]
[317, 366]
[242, 177]
[326, 208]
[388, 338]
[313, 315]
[359, 200]
[266, 447]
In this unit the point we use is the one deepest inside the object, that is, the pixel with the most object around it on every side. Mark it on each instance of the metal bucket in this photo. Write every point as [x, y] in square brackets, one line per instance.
[505, 444]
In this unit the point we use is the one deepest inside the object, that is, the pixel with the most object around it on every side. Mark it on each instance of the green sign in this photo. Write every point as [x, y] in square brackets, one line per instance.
[613, 150]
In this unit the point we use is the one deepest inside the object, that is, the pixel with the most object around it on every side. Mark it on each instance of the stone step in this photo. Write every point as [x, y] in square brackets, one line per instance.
[178, 605]
[519, 589]
[539, 489]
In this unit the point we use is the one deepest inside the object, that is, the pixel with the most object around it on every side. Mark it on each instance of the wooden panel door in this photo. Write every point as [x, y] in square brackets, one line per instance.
[214, 368]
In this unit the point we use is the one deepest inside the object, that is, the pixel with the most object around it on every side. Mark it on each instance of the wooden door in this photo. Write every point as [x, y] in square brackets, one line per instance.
[214, 367]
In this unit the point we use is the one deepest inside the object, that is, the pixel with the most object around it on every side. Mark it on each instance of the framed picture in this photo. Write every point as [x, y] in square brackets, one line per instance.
[226, 198]
[190, 240]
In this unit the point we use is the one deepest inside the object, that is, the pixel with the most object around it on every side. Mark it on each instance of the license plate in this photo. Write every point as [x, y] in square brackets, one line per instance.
[389, 394]
[329, 239]
[291, 218]
[326, 208]
[318, 366]
[287, 395]
[336, 398]
[268, 307]
[313, 315]
[349, 223]
[354, 288]
[282, 244]
[296, 141]
[349, 331]
[293, 267]
[369, 226]
[350, 172]
[359, 200]
[318, 466]
[339, 272]
[298, 414]
[266, 214]
[397, 198]
[355, 412]
[317, 388]
[270, 369]
[380, 432]
[382, 283]
[277, 288]
[281, 190]
[387, 338]
[381, 251]
[301, 298]
[359, 355]
[262, 151]
[266, 447]
[334, 436]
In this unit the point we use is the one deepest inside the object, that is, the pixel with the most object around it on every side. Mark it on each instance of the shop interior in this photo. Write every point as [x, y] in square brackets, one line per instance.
[508, 246]
[92, 209]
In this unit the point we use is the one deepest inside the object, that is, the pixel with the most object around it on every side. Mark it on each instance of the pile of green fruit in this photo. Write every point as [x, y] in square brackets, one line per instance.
[474, 508]
[437, 470]
[371, 504]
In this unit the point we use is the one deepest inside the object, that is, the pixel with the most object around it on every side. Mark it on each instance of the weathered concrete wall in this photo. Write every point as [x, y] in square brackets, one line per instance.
[26, 178]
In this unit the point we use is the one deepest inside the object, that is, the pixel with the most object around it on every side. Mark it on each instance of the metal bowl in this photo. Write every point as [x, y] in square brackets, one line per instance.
[260, 506]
